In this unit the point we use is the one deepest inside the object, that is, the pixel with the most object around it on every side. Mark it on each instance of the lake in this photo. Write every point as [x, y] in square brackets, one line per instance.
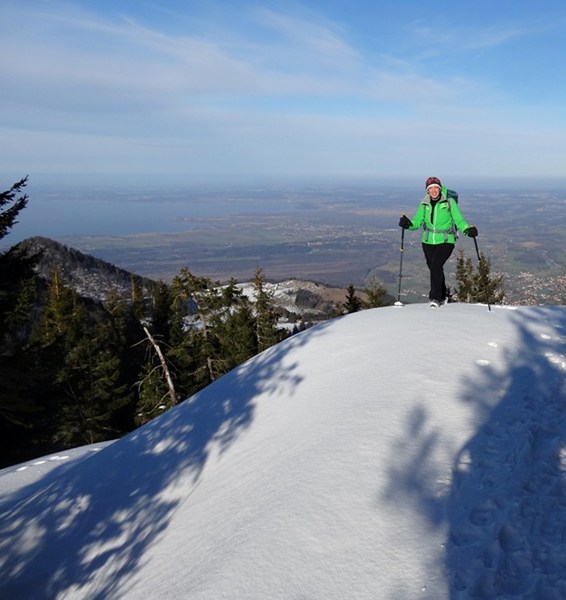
[88, 211]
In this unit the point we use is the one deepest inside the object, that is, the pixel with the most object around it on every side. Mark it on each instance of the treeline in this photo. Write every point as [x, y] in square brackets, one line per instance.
[75, 372]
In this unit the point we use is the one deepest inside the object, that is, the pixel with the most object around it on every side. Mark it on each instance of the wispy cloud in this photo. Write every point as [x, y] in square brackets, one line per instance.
[130, 62]
[310, 42]
[462, 39]
[282, 83]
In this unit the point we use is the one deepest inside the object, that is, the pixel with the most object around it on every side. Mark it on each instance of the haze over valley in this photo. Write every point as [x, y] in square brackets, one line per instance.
[337, 233]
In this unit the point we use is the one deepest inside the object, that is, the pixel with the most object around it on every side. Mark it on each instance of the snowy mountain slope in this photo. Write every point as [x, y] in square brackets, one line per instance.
[320, 299]
[393, 453]
[88, 276]
[97, 280]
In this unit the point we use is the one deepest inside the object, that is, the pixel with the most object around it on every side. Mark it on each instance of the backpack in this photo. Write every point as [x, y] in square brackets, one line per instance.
[451, 195]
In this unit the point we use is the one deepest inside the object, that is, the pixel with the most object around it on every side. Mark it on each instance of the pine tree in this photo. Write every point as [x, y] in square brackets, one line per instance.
[353, 303]
[15, 204]
[81, 354]
[231, 294]
[210, 329]
[375, 295]
[266, 319]
[152, 394]
[160, 311]
[491, 286]
[235, 329]
[477, 284]
[17, 292]
[119, 361]
[465, 278]
[182, 326]
[137, 298]
[19, 411]
[57, 338]
[151, 384]
[201, 298]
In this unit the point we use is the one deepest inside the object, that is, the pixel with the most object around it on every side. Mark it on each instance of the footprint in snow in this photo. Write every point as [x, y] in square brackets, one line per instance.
[38, 463]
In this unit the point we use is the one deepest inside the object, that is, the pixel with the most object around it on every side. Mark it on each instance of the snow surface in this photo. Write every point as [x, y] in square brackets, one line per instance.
[396, 453]
[17, 477]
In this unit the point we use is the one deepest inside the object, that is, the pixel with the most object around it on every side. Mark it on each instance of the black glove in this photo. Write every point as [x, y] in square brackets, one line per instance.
[405, 222]
[471, 231]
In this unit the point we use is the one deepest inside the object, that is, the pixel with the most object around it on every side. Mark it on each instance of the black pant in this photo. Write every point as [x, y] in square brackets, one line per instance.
[436, 255]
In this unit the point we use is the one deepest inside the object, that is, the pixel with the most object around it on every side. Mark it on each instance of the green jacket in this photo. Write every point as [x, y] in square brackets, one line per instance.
[439, 226]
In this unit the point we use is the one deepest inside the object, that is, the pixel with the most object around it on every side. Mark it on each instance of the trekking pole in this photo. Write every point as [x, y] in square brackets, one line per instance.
[485, 282]
[399, 303]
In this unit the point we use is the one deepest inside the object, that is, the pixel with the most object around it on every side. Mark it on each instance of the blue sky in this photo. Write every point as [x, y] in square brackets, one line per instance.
[217, 90]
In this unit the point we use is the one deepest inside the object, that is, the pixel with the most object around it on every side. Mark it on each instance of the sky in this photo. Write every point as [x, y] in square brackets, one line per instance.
[396, 453]
[212, 91]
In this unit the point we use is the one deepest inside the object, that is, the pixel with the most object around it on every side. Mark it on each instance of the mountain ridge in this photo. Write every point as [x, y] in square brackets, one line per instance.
[94, 278]
[90, 277]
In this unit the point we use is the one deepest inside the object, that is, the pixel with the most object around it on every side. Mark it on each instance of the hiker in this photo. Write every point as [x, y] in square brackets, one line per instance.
[440, 217]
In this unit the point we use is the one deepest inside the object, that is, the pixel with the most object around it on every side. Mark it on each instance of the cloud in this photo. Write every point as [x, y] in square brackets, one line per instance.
[463, 39]
[280, 91]
[122, 55]
[312, 43]
[84, 60]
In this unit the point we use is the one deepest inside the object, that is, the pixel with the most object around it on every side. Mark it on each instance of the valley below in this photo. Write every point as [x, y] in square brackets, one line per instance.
[342, 236]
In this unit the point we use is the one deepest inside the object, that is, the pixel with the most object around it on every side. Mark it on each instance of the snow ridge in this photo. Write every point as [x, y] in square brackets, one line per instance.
[393, 453]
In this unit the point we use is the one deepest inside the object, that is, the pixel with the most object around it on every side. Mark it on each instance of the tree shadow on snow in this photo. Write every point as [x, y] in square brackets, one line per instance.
[93, 525]
[503, 504]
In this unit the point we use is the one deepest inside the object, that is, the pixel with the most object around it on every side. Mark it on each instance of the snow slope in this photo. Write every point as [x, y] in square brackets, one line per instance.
[396, 453]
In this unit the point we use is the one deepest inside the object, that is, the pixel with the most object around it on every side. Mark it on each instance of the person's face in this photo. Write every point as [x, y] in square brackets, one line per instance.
[434, 191]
